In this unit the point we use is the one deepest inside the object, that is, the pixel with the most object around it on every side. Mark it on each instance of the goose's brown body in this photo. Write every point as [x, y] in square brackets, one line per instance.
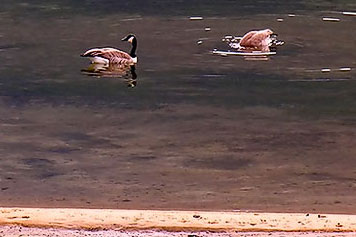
[109, 55]
[259, 40]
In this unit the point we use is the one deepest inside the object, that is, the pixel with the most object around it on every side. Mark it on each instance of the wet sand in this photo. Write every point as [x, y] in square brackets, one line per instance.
[182, 157]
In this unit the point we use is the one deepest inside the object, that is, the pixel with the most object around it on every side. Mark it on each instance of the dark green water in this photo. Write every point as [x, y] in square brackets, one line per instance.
[41, 42]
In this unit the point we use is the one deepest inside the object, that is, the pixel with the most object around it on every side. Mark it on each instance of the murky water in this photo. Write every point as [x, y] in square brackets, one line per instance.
[197, 130]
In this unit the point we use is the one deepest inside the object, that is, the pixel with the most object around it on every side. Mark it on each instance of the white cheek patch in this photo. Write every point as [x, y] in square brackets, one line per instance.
[131, 39]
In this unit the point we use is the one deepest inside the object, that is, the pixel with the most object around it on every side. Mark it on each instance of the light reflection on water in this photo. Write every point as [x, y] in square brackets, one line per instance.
[112, 71]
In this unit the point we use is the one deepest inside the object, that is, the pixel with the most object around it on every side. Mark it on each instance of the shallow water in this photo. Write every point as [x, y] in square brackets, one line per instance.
[198, 130]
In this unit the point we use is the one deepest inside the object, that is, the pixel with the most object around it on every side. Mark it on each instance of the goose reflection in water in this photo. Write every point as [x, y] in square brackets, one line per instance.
[113, 71]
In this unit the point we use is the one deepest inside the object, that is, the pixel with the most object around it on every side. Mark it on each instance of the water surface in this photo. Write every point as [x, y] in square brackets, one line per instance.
[198, 131]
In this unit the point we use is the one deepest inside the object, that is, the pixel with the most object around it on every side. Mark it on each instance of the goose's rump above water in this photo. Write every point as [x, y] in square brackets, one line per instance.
[256, 40]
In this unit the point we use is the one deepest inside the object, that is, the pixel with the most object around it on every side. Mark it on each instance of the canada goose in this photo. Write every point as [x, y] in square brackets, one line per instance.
[259, 40]
[114, 56]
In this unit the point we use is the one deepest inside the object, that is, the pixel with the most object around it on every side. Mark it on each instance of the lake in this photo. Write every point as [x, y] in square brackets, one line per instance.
[198, 130]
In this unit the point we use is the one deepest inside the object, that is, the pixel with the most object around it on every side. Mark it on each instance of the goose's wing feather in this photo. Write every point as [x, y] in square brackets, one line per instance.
[107, 53]
[246, 39]
[113, 55]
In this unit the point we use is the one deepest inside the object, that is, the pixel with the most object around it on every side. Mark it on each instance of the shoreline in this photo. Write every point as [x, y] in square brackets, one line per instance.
[138, 220]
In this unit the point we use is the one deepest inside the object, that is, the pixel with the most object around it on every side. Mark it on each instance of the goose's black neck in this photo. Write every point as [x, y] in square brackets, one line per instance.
[133, 49]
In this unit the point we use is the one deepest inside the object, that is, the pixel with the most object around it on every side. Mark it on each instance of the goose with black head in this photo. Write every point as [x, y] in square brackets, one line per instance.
[114, 56]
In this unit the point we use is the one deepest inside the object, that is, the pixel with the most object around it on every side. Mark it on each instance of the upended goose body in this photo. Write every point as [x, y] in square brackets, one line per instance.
[114, 56]
[260, 40]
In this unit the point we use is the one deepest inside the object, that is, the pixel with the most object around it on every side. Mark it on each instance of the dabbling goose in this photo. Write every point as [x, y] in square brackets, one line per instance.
[259, 40]
[114, 56]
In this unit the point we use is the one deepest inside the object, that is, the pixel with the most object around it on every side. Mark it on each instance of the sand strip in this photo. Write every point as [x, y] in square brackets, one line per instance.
[175, 220]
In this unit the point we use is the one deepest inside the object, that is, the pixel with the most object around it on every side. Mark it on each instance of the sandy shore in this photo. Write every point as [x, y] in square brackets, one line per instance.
[194, 221]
